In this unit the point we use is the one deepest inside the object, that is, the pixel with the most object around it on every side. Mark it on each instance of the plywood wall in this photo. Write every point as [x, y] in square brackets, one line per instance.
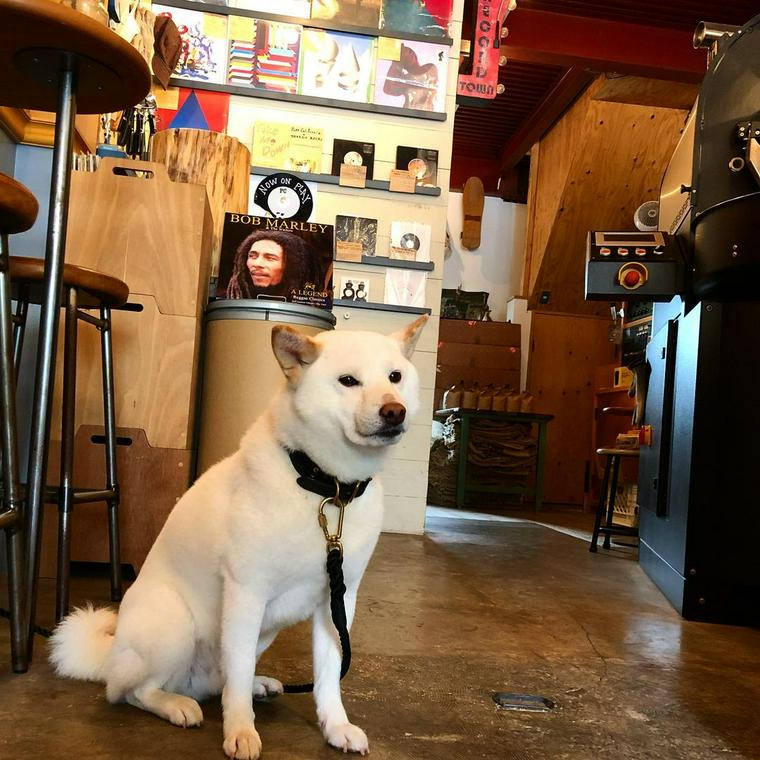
[591, 171]
[600, 161]
[563, 354]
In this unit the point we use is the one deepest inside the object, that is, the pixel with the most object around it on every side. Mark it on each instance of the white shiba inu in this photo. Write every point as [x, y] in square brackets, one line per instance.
[242, 555]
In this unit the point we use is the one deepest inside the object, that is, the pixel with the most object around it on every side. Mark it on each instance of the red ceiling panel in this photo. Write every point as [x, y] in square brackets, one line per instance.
[481, 134]
[483, 131]
[683, 14]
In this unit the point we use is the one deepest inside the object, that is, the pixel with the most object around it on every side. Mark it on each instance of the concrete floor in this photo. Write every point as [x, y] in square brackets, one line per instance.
[476, 606]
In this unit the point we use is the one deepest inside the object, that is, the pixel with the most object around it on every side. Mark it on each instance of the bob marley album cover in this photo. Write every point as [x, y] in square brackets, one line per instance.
[276, 259]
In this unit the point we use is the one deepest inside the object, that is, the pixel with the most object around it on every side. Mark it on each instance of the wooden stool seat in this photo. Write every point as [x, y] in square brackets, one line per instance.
[95, 288]
[18, 207]
[34, 35]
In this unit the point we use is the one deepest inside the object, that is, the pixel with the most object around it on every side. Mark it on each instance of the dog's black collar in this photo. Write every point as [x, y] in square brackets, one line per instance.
[314, 479]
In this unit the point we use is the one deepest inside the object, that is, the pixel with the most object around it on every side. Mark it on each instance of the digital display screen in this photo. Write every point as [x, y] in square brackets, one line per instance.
[629, 237]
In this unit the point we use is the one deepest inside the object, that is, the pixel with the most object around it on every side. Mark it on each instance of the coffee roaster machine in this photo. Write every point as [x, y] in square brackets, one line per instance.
[699, 480]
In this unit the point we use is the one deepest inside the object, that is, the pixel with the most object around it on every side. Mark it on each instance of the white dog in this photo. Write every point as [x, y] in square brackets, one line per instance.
[242, 554]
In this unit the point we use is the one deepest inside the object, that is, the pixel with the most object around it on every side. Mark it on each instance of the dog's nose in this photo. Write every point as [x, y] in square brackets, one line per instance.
[393, 414]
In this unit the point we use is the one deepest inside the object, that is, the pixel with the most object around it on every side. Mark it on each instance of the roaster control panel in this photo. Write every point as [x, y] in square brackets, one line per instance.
[627, 266]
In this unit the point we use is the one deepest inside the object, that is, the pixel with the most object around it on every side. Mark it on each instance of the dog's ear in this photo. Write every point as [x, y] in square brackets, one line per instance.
[407, 338]
[293, 351]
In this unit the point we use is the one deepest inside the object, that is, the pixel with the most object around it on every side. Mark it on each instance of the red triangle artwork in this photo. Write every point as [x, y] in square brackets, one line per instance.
[196, 109]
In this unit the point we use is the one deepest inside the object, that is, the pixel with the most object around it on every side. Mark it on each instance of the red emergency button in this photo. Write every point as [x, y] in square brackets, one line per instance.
[632, 276]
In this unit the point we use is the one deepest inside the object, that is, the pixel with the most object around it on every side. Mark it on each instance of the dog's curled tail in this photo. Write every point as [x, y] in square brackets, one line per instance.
[81, 643]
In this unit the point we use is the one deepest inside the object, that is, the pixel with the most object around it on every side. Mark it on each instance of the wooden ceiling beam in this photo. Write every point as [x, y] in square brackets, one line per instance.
[571, 84]
[601, 45]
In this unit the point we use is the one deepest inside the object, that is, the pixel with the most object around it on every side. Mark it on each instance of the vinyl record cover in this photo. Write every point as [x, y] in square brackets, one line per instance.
[336, 65]
[353, 289]
[430, 17]
[355, 236]
[287, 146]
[354, 12]
[411, 74]
[355, 153]
[410, 241]
[277, 56]
[421, 162]
[203, 55]
[405, 287]
[297, 8]
[276, 259]
[242, 51]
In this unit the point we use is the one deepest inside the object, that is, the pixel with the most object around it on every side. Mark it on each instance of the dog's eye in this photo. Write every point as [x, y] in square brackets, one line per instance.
[395, 376]
[348, 380]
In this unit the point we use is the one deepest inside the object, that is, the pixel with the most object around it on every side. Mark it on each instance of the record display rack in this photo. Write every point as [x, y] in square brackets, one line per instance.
[372, 305]
[385, 261]
[332, 179]
[312, 100]
[310, 23]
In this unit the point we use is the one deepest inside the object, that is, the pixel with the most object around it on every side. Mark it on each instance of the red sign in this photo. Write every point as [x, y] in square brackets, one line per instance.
[483, 79]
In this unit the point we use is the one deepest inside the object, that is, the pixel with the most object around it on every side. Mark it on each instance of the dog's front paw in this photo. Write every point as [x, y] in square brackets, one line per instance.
[242, 743]
[183, 711]
[264, 687]
[348, 737]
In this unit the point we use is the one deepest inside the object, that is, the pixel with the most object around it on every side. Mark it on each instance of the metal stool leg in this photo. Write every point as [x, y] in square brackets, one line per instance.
[112, 484]
[19, 327]
[46, 347]
[66, 490]
[11, 513]
[601, 505]
[611, 501]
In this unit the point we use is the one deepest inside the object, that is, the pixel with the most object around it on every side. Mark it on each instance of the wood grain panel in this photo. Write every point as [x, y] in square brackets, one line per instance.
[155, 375]
[642, 91]
[548, 175]
[564, 353]
[152, 481]
[218, 162]
[619, 158]
[152, 233]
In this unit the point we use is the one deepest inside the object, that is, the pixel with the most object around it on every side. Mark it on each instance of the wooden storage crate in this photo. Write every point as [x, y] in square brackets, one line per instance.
[154, 234]
[484, 352]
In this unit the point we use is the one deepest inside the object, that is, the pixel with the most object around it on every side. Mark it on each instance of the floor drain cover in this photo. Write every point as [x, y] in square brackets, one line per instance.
[524, 702]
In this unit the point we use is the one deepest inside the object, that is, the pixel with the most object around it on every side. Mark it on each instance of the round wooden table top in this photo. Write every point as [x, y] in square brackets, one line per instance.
[112, 75]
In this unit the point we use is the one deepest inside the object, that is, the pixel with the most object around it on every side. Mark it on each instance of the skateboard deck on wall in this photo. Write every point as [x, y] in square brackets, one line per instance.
[473, 198]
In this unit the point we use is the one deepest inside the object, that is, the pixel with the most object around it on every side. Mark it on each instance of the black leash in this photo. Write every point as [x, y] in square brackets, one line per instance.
[338, 611]
[313, 479]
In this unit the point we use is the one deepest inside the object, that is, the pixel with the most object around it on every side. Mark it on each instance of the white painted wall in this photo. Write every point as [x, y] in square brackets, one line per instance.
[495, 267]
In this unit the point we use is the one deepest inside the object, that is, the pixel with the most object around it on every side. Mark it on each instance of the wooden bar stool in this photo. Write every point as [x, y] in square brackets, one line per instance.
[83, 290]
[55, 58]
[18, 212]
[607, 495]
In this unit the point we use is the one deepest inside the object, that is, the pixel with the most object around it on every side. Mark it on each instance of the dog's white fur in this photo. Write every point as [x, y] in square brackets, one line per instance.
[242, 556]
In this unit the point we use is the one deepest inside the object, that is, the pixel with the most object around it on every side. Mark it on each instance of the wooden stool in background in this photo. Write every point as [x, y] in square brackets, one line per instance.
[83, 289]
[607, 495]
